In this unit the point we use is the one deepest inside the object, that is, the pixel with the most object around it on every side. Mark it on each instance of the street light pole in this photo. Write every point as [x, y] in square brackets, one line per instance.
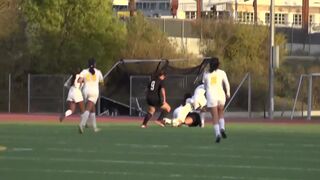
[271, 66]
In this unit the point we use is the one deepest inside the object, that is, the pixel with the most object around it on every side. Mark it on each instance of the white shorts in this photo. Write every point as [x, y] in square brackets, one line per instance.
[90, 95]
[74, 95]
[199, 102]
[213, 100]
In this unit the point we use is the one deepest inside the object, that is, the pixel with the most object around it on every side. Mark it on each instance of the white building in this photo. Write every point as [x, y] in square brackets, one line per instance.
[287, 12]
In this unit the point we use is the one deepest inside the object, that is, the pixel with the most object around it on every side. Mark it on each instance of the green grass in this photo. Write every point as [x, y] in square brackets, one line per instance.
[124, 151]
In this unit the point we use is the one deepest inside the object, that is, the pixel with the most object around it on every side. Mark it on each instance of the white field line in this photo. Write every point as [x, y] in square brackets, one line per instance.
[265, 157]
[161, 163]
[153, 146]
[124, 173]
[21, 149]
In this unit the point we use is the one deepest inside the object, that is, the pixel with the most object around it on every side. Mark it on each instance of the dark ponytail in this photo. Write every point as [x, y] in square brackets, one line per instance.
[92, 65]
[214, 64]
[74, 75]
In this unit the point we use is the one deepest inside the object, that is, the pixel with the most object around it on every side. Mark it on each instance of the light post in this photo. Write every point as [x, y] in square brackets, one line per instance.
[271, 63]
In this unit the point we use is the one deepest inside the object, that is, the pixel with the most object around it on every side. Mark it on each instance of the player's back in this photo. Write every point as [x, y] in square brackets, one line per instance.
[214, 81]
[91, 81]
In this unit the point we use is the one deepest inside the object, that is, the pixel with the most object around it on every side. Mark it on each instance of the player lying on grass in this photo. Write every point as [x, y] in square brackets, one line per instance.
[190, 111]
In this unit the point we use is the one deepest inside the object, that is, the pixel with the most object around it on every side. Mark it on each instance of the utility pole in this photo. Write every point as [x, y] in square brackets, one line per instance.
[305, 15]
[132, 7]
[199, 8]
[271, 66]
[255, 10]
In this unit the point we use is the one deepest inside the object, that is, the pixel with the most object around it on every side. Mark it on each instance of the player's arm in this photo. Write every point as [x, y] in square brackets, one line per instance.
[67, 83]
[163, 92]
[227, 85]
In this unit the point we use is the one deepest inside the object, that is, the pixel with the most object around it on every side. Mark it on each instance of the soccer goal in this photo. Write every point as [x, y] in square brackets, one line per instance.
[310, 78]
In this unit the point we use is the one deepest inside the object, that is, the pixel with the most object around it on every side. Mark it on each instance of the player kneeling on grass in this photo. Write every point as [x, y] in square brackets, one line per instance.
[74, 95]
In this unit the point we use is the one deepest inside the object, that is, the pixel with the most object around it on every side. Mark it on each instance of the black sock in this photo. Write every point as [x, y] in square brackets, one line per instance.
[162, 115]
[146, 118]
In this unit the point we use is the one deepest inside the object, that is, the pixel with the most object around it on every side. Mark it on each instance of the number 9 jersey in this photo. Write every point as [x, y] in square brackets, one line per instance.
[154, 97]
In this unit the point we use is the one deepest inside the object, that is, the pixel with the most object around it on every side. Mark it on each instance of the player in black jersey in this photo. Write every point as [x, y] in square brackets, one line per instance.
[156, 98]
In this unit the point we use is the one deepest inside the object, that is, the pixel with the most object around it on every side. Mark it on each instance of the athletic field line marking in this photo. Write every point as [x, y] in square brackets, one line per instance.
[3, 148]
[144, 145]
[122, 173]
[22, 149]
[73, 150]
[108, 161]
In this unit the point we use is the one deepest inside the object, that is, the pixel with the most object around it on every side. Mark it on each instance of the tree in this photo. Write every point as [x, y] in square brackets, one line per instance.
[242, 49]
[63, 34]
[146, 41]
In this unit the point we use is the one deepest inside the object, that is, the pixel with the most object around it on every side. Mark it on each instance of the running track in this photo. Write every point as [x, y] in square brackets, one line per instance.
[31, 117]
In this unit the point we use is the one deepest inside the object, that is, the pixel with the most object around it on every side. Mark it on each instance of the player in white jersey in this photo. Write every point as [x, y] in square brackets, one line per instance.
[215, 80]
[92, 77]
[187, 113]
[74, 95]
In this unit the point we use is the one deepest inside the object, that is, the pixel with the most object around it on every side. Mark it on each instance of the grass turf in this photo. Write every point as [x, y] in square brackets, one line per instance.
[124, 151]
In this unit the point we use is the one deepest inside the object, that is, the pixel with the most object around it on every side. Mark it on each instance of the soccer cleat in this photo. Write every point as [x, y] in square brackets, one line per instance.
[80, 129]
[96, 129]
[223, 133]
[143, 126]
[61, 118]
[218, 138]
[160, 123]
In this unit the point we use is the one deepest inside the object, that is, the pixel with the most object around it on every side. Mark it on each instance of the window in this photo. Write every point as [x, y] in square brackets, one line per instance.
[190, 14]
[279, 19]
[153, 6]
[297, 19]
[139, 5]
[311, 19]
[267, 18]
[246, 17]
[162, 6]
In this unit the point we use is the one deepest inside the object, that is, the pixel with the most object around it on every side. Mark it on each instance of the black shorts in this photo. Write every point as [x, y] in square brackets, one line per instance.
[196, 120]
[154, 101]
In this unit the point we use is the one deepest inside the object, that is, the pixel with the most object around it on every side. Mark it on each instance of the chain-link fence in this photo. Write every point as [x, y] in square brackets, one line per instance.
[46, 93]
[5, 83]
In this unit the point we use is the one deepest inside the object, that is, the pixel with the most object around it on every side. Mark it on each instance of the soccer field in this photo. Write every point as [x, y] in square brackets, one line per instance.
[252, 151]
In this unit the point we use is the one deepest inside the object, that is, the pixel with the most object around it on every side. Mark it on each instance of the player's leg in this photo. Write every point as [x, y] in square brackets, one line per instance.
[165, 109]
[222, 121]
[85, 115]
[202, 116]
[69, 111]
[148, 116]
[93, 120]
[215, 119]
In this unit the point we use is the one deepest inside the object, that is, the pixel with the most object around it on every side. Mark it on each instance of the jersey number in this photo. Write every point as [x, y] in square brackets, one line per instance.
[152, 85]
[90, 77]
[213, 80]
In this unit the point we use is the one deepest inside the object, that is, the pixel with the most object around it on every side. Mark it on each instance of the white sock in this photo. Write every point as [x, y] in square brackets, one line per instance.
[221, 123]
[92, 117]
[67, 113]
[216, 130]
[202, 115]
[84, 118]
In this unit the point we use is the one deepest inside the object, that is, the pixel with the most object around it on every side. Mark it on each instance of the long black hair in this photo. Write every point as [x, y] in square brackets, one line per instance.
[74, 75]
[92, 65]
[214, 64]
